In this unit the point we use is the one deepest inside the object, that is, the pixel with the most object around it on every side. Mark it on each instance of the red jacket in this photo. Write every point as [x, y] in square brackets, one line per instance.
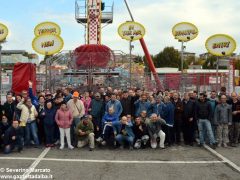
[64, 119]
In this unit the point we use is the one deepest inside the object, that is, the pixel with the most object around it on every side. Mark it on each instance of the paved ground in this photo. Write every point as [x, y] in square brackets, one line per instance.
[180, 162]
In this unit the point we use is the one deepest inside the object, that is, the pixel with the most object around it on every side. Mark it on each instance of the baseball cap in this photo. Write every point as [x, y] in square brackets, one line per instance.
[75, 94]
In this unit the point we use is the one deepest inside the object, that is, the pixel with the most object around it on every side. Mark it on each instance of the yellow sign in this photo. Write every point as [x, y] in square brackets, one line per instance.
[131, 31]
[185, 31]
[3, 32]
[47, 28]
[221, 45]
[47, 44]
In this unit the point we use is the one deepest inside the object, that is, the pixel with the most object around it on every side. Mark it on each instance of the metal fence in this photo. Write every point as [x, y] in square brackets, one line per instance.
[201, 82]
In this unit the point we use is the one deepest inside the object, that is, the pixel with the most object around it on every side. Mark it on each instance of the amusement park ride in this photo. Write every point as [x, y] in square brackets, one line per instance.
[94, 15]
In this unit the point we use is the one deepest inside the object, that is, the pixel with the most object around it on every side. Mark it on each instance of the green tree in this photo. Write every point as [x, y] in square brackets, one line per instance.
[210, 63]
[138, 59]
[169, 57]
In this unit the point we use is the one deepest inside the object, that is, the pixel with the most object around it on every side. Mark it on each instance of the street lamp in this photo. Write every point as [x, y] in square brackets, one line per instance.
[131, 47]
[1, 69]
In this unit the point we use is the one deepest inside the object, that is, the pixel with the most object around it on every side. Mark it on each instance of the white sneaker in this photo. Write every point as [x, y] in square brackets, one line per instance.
[99, 139]
[154, 144]
[61, 147]
[225, 145]
[70, 147]
[104, 143]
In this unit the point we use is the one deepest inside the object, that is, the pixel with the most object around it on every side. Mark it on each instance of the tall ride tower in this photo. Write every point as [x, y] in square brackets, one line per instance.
[92, 14]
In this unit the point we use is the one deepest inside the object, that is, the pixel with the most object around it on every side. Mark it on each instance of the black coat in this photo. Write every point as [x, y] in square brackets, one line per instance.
[188, 110]
[138, 133]
[9, 110]
[3, 128]
[203, 110]
[10, 132]
[127, 106]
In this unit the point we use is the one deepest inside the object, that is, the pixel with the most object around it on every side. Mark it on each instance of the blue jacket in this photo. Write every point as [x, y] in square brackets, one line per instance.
[67, 98]
[116, 106]
[158, 109]
[168, 116]
[49, 117]
[97, 108]
[34, 99]
[117, 126]
[110, 118]
[142, 106]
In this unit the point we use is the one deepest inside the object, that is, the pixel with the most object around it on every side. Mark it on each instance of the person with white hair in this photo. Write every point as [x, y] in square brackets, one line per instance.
[155, 131]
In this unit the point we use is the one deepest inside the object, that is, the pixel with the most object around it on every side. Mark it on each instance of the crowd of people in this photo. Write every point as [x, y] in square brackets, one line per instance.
[131, 119]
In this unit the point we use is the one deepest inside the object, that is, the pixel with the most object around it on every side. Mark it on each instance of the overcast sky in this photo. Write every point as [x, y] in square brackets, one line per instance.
[158, 17]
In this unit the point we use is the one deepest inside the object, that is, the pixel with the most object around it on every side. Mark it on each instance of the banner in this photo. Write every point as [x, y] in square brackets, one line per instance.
[47, 28]
[185, 31]
[221, 45]
[3, 32]
[131, 31]
[47, 44]
[22, 73]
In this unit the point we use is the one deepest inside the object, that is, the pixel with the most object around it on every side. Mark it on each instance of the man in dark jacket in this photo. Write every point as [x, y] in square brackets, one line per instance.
[48, 121]
[40, 108]
[97, 111]
[141, 133]
[178, 112]
[9, 108]
[126, 104]
[188, 120]
[203, 112]
[13, 138]
[4, 125]
[235, 128]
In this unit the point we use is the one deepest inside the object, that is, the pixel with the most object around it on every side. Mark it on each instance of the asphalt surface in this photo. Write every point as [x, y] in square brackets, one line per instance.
[178, 162]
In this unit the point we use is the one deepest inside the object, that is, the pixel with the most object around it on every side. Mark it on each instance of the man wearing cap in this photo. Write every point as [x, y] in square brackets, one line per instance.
[84, 132]
[76, 106]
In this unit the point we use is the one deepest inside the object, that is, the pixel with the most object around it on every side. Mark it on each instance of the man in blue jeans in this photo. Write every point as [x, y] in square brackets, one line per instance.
[123, 132]
[203, 116]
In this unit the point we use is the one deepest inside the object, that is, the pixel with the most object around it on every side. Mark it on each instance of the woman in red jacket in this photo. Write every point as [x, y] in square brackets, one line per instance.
[64, 120]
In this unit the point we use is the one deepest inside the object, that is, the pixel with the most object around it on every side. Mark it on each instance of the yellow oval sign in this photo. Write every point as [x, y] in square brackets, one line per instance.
[3, 32]
[47, 28]
[185, 31]
[47, 44]
[131, 31]
[221, 45]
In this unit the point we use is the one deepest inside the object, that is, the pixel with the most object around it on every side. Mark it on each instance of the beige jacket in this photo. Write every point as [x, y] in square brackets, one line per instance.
[77, 109]
[25, 115]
